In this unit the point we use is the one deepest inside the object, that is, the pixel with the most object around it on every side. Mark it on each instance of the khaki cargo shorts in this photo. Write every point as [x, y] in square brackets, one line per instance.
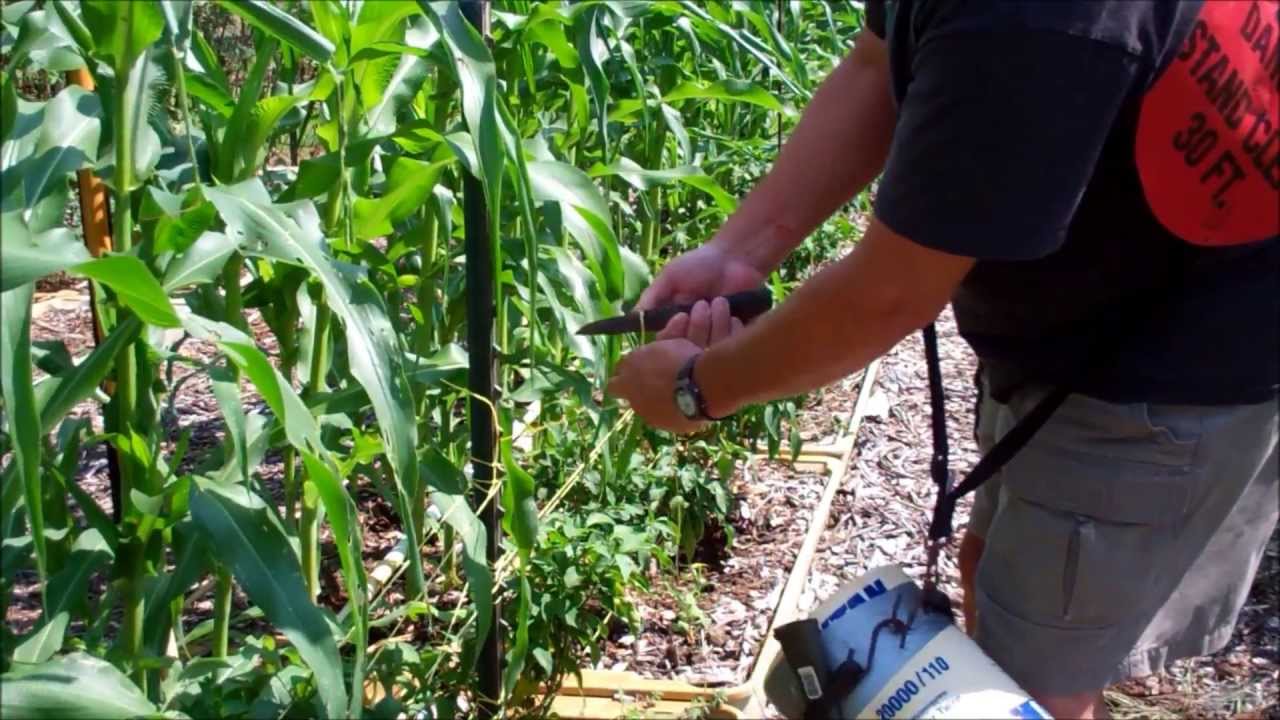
[1122, 537]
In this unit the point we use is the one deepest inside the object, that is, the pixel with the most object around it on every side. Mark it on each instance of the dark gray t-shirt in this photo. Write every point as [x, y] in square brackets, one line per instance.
[1084, 153]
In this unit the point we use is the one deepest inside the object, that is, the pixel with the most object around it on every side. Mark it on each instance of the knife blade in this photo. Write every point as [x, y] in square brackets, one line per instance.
[746, 306]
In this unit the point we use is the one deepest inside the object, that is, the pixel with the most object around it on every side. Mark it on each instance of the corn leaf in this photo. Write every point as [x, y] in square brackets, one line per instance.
[291, 233]
[585, 216]
[65, 141]
[592, 53]
[200, 263]
[45, 640]
[23, 423]
[45, 40]
[190, 554]
[65, 589]
[727, 90]
[226, 391]
[387, 94]
[263, 123]
[134, 284]
[743, 39]
[26, 257]
[230, 157]
[74, 687]
[122, 30]
[409, 183]
[180, 219]
[250, 539]
[520, 651]
[575, 281]
[519, 511]
[16, 549]
[304, 434]
[284, 27]
[478, 79]
[448, 493]
[58, 395]
[642, 179]
[143, 98]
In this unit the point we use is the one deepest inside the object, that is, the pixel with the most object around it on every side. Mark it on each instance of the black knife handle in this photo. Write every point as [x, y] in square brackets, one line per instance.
[746, 305]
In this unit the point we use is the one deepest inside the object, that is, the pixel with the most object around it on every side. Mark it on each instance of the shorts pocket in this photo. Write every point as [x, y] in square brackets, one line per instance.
[1089, 512]
[1130, 463]
[1119, 572]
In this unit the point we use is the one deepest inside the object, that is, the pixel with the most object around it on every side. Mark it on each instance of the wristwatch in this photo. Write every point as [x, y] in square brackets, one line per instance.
[688, 395]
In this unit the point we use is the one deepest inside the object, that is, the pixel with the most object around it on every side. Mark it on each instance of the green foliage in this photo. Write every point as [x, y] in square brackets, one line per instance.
[72, 686]
[286, 186]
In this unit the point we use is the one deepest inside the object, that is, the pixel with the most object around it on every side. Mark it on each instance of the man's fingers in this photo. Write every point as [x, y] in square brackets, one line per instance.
[735, 326]
[700, 324]
[677, 328]
[720, 320]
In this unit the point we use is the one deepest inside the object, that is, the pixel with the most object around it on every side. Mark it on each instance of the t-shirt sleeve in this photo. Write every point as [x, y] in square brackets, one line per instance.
[997, 137]
[875, 17]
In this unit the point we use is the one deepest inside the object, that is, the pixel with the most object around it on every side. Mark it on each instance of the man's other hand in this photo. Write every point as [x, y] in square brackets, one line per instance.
[646, 379]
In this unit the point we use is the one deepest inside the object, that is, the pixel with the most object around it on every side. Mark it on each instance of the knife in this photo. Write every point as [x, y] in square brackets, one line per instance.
[746, 306]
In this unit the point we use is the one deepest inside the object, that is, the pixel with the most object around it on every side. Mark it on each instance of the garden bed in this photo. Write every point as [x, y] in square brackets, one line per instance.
[705, 627]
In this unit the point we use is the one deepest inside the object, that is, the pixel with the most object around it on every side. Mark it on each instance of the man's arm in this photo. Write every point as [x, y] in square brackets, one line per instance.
[848, 314]
[837, 149]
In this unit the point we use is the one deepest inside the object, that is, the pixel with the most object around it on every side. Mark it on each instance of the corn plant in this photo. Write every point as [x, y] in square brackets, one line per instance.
[294, 213]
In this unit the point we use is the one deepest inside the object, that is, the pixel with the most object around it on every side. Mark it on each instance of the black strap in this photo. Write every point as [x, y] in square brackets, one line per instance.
[1166, 281]
[938, 465]
[845, 679]
[944, 508]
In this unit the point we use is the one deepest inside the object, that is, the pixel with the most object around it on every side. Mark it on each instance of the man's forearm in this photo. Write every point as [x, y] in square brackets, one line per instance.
[835, 324]
[836, 150]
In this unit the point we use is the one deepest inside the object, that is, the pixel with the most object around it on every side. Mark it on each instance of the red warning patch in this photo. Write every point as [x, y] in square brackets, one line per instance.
[1208, 145]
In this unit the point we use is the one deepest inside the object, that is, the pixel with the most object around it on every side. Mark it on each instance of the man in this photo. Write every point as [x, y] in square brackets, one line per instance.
[1094, 187]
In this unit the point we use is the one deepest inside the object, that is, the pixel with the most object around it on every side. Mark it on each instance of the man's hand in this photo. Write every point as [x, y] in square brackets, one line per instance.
[646, 377]
[708, 271]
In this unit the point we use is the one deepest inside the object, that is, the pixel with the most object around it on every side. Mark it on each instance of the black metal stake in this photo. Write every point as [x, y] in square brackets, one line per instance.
[479, 253]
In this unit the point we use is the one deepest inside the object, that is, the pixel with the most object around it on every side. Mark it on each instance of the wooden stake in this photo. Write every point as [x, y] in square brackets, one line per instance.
[95, 212]
[95, 220]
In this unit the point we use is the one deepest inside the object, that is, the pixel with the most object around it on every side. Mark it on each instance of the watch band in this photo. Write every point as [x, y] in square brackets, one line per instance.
[685, 381]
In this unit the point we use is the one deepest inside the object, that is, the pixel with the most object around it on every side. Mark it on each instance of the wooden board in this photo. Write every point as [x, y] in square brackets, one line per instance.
[605, 683]
[601, 708]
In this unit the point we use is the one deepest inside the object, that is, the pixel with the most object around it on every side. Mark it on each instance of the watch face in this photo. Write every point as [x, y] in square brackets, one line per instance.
[688, 406]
